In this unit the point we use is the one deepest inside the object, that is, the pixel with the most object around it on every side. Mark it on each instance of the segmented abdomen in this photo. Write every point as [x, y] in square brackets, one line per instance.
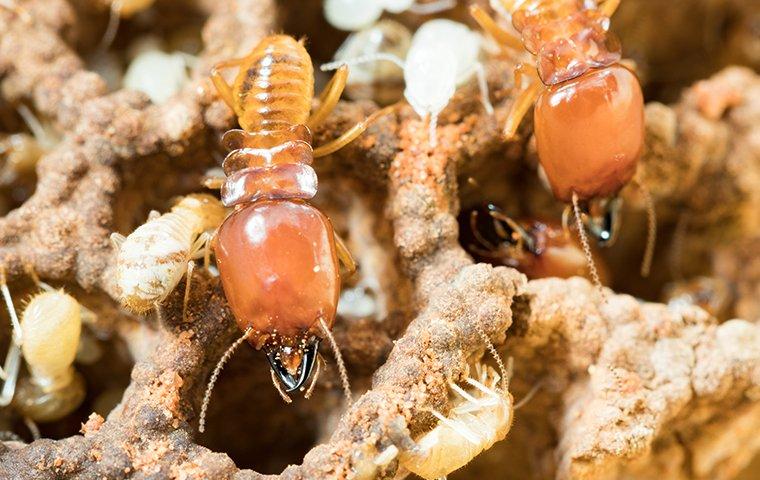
[568, 37]
[275, 85]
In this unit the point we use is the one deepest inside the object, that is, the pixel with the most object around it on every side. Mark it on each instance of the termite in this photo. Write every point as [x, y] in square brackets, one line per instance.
[589, 110]
[152, 260]
[481, 416]
[158, 74]
[20, 152]
[383, 81]
[536, 248]
[47, 336]
[277, 255]
[443, 55]
[359, 14]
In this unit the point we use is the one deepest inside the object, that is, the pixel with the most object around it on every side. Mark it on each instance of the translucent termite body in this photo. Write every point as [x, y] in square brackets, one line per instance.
[382, 81]
[443, 55]
[153, 259]
[359, 14]
[48, 338]
[158, 74]
[480, 417]
[278, 256]
[589, 110]
[536, 248]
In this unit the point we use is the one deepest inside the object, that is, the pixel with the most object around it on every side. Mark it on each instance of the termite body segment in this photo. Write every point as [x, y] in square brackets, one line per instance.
[153, 259]
[589, 110]
[278, 256]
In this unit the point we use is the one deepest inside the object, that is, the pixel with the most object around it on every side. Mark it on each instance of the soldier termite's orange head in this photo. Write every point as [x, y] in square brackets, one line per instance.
[590, 133]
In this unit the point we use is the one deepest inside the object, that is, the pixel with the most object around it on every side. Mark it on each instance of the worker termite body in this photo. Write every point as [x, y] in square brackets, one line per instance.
[589, 109]
[443, 55]
[382, 82]
[278, 256]
[536, 248]
[153, 259]
[481, 416]
[47, 336]
[359, 14]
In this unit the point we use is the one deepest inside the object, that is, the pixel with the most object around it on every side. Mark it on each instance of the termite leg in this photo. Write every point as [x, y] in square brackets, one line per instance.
[344, 255]
[338, 360]
[9, 371]
[609, 7]
[279, 389]
[524, 99]
[505, 39]
[222, 87]
[186, 299]
[117, 239]
[329, 97]
[113, 26]
[480, 73]
[215, 376]
[432, 129]
[352, 133]
[202, 248]
[36, 278]
[433, 7]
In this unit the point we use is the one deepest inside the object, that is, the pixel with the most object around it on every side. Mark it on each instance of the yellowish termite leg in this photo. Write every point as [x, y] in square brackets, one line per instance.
[489, 25]
[222, 87]
[523, 101]
[329, 97]
[352, 133]
[344, 255]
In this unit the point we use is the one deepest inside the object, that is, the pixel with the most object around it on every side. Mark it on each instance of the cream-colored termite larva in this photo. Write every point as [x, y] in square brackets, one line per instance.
[382, 81]
[48, 337]
[155, 72]
[359, 14]
[443, 55]
[153, 259]
[481, 416]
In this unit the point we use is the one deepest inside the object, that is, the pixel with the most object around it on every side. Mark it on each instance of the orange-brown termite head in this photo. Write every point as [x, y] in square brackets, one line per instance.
[590, 133]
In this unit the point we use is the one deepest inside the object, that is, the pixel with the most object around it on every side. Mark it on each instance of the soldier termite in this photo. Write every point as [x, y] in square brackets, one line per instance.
[48, 338]
[536, 248]
[277, 255]
[443, 55]
[152, 260]
[359, 14]
[589, 110]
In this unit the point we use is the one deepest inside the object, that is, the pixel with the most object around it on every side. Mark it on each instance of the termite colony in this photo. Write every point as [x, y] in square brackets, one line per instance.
[242, 247]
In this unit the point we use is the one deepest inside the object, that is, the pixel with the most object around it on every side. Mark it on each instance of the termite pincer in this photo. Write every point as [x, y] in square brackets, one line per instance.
[589, 109]
[277, 255]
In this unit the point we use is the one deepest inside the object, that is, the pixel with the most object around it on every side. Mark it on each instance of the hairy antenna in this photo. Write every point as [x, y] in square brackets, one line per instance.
[586, 246]
[338, 360]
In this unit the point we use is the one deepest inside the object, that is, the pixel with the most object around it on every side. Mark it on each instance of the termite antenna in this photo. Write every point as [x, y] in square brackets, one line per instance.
[215, 376]
[113, 26]
[10, 368]
[374, 57]
[586, 247]
[433, 7]
[646, 262]
[528, 396]
[338, 360]
[505, 373]
[314, 377]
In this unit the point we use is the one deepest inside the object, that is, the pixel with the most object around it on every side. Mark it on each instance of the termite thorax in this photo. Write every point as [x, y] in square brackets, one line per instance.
[268, 164]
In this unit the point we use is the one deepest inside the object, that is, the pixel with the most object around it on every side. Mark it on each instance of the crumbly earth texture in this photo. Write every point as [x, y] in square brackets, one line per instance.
[625, 388]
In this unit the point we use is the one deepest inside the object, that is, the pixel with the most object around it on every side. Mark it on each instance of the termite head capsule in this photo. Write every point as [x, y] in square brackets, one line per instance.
[293, 365]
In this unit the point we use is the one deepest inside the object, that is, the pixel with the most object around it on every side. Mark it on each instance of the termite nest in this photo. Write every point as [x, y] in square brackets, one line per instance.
[379, 239]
